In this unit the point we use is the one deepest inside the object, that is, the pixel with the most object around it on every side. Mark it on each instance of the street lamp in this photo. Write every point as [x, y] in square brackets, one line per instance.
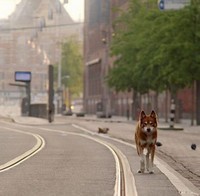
[106, 93]
[51, 17]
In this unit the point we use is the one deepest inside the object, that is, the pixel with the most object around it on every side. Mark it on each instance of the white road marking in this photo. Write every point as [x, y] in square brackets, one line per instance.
[130, 187]
[117, 189]
[184, 186]
[40, 143]
[175, 179]
[37, 148]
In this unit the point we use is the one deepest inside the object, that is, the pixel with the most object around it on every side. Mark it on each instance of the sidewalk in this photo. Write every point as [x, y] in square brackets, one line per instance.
[24, 119]
[185, 123]
[30, 120]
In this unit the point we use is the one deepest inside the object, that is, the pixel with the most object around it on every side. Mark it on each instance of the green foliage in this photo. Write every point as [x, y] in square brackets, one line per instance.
[72, 66]
[156, 49]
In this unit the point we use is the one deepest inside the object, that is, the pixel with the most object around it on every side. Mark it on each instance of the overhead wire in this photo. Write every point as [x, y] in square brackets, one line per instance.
[47, 26]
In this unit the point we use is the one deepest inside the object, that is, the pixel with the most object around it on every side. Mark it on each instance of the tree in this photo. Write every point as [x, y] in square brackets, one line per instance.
[157, 43]
[72, 66]
[156, 50]
[127, 74]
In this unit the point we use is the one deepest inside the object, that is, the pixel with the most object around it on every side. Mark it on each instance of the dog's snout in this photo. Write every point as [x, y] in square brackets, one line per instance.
[148, 129]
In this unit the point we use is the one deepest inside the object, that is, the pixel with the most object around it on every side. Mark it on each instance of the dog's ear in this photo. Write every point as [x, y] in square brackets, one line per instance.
[142, 114]
[153, 114]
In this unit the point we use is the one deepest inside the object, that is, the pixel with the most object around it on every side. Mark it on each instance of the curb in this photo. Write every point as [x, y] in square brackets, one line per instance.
[171, 128]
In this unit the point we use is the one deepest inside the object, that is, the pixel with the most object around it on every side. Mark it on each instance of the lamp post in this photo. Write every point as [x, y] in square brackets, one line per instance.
[106, 94]
[51, 17]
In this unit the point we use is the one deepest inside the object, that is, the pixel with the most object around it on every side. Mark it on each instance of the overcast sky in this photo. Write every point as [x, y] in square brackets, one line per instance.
[74, 7]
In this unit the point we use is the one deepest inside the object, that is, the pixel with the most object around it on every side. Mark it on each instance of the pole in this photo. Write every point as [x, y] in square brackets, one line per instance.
[172, 114]
[50, 95]
[28, 94]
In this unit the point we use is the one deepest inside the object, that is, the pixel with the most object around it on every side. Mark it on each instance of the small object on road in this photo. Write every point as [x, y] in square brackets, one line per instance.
[193, 146]
[158, 144]
[103, 130]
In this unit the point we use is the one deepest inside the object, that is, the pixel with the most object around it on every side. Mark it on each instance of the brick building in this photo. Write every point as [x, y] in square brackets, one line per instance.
[31, 40]
[98, 34]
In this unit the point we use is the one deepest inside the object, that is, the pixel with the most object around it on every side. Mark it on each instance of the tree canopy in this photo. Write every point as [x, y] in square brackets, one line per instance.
[156, 50]
[72, 66]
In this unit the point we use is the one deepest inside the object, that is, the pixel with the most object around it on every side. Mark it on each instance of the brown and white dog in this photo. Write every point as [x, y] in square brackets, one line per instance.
[145, 138]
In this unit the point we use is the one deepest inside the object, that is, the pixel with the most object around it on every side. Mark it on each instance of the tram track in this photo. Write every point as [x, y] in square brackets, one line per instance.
[183, 185]
[125, 182]
[124, 179]
[40, 143]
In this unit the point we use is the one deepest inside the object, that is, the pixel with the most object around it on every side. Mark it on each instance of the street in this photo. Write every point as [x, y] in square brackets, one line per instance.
[71, 158]
[67, 165]
[74, 78]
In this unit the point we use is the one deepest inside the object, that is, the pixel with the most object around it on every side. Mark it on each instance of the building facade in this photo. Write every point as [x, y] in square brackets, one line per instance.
[98, 32]
[30, 40]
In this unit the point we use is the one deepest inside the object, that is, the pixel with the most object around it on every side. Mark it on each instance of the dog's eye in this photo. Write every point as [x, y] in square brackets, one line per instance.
[145, 123]
[151, 123]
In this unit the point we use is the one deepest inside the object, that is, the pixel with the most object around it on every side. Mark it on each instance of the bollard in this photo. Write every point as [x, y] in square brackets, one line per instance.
[172, 114]
[172, 118]
[127, 114]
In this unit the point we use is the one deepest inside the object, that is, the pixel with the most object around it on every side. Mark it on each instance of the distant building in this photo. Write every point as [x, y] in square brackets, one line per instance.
[31, 40]
[98, 32]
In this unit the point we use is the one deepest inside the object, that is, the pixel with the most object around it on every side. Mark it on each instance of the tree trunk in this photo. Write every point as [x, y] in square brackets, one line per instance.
[193, 104]
[156, 102]
[198, 102]
[135, 106]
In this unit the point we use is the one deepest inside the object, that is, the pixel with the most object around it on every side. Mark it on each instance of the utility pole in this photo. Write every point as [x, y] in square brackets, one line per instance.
[50, 95]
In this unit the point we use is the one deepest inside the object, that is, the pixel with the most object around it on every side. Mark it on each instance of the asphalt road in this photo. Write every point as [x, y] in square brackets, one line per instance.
[67, 165]
[71, 163]
[177, 174]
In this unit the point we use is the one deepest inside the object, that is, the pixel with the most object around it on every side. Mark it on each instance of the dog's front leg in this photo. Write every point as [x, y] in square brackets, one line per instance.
[147, 161]
[151, 171]
[142, 163]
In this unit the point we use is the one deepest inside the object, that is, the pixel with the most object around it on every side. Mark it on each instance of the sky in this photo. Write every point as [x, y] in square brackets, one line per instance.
[74, 7]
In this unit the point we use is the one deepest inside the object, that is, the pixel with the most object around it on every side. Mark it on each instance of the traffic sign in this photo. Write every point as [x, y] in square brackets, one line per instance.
[161, 4]
[23, 76]
[172, 4]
